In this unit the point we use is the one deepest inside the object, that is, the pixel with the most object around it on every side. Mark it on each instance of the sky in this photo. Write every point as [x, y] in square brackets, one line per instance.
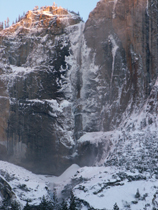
[14, 8]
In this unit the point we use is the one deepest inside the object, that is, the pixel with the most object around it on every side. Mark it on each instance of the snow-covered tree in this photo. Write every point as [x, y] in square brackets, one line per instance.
[72, 202]
[5, 23]
[137, 195]
[115, 207]
[8, 22]
[1, 25]
[63, 205]
[35, 8]
[55, 200]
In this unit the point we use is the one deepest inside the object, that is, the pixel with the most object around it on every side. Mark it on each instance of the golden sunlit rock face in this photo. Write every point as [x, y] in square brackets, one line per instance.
[51, 17]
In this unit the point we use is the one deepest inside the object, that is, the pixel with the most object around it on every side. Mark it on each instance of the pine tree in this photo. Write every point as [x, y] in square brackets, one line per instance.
[55, 201]
[72, 202]
[63, 205]
[137, 195]
[1, 25]
[115, 207]
[8, 21]
[35, 8]
[19, 18]
[45, 205]
[15, 205]
[5, 204]
[5, 23]
[27, 206]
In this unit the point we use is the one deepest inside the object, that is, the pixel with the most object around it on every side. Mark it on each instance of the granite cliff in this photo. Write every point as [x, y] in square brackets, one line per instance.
[65, 83]
[122, 35]
[36, 113]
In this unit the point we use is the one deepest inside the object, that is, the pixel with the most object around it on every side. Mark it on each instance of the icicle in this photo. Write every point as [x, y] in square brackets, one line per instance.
[113, 13]
[114, 50]
[147, 7]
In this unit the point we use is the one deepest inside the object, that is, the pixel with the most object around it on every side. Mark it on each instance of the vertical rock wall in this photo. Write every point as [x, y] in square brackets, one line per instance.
[122, 35]
[36, 120]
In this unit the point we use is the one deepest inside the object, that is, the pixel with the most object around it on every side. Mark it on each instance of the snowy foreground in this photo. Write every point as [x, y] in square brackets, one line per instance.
[31, 187]
[94, 187]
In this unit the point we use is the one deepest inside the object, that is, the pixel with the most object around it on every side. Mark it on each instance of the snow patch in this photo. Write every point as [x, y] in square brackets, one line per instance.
[97, 137]
[55, 105]
[32, 187]
[26, 185]
[44, 39]
[64, 104]
[122, 195]
[36, 101]
[64, 179]
[47, 13]
[15, 71]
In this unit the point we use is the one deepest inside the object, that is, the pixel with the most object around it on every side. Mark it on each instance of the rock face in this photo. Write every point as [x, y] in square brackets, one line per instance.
[122, 35]
[61, 78]
[36, 113]
[6, 191]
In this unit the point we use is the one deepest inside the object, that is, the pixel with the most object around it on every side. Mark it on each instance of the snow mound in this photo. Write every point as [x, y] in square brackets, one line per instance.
[31, 187]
